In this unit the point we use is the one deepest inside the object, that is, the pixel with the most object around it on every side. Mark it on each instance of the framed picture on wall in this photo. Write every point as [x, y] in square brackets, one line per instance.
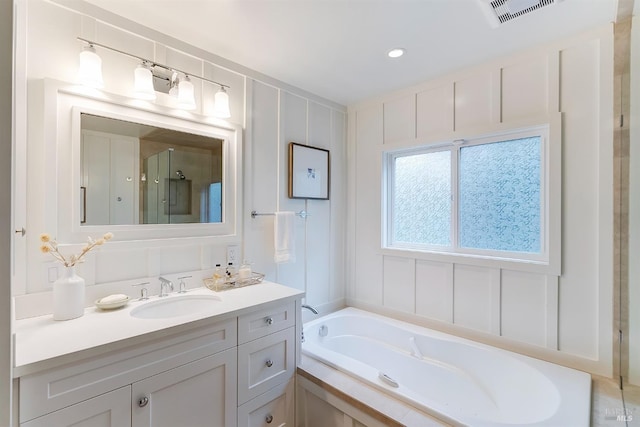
[308, 172]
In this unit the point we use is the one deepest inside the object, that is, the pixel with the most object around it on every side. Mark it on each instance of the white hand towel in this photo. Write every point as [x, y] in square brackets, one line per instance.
[284, 237]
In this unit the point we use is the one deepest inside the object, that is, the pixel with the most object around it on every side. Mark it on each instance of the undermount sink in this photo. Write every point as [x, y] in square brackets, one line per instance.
[175, 306]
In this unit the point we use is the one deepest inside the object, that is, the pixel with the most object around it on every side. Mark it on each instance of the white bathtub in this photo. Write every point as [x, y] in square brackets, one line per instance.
[456, 380]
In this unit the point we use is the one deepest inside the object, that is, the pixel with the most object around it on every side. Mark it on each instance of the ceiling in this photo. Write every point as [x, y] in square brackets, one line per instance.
[337, 48]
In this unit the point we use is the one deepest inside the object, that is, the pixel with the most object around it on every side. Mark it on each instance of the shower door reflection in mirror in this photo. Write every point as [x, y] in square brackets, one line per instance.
[139, 174]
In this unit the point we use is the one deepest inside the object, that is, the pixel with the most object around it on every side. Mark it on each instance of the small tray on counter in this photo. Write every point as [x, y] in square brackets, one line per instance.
[233, 282]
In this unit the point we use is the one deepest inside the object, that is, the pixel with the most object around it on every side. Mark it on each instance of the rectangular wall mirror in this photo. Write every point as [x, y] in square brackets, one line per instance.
[133, 173]
[143, 172]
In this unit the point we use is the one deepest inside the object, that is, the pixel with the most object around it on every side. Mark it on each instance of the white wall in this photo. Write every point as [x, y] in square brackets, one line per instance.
[277, 118]
[272, 114]
[566, 318]
[6, 142]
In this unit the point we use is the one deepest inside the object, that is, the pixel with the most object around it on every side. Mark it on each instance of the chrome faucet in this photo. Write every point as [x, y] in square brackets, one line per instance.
[164, 284]
[311, 309]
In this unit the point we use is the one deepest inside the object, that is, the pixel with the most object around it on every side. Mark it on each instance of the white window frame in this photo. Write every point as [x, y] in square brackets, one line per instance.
[547, 261]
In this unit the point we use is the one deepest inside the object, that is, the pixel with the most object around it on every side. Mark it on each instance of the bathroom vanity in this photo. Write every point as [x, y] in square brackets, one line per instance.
[229, 364]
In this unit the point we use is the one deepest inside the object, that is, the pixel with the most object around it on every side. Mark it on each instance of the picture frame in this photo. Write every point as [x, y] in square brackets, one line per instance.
[309, 173]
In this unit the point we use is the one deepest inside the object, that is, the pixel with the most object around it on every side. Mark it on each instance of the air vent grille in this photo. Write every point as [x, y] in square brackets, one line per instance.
[506, 10]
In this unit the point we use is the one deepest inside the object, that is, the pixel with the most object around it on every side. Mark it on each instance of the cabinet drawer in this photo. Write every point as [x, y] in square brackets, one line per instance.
[264, 363]
[272, 408]
[50, 390]
[266, 321]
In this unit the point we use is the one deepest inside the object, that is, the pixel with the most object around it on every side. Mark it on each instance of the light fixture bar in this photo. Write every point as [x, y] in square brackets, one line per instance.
[152, 63]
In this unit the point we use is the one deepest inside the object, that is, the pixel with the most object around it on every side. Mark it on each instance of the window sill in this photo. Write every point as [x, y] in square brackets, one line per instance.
[529, 266]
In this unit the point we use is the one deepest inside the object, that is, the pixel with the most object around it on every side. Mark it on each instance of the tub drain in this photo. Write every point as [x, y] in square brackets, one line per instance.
[388, 380]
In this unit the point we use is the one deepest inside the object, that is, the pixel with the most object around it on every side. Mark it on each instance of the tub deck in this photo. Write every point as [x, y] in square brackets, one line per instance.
[606, 396]
[376, 404]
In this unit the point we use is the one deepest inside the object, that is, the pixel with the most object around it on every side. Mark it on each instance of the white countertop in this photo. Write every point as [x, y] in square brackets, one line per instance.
[41, 339]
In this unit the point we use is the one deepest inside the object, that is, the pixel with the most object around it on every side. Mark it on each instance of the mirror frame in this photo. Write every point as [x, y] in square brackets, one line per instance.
[70, 103]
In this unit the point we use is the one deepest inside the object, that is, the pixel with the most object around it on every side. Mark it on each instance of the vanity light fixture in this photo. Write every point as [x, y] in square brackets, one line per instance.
[186, 97]
[396, 52]
[221, 106]
[143, 82]
[90, 69]
[174, 80]
[90, 74]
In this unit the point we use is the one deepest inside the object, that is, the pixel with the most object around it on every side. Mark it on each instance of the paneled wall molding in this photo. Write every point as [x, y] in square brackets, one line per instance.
[551, 312]
[496, 98]
[559, 312]
[271, 112]
[550, 51]
[465, 259]
[513, 304]
[92, 14]
[446, 138]
[539, 352]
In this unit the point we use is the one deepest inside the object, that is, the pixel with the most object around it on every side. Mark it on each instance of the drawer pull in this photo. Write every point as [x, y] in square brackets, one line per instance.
[142, 402]
[269, 418]
[269, 320]
[269, 363]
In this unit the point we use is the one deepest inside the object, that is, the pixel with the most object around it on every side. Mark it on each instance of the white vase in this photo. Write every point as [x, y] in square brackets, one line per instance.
[68, 295]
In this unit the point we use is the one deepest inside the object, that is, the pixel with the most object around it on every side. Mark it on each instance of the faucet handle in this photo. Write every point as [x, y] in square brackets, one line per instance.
[182, 285]
[143, 291]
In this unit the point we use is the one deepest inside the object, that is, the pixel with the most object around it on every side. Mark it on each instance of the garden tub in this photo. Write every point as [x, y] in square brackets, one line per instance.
[453, 379]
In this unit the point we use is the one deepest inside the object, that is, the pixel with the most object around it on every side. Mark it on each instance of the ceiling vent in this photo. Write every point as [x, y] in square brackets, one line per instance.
[500, 11]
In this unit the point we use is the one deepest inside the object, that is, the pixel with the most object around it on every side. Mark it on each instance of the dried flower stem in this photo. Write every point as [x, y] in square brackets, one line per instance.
[51, 246]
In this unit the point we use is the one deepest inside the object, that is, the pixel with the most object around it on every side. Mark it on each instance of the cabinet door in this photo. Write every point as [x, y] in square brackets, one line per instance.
[111, 409]
[273, 408]
[198, 394]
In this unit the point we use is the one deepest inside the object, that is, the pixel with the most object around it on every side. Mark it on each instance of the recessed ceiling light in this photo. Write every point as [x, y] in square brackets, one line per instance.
[395, 53]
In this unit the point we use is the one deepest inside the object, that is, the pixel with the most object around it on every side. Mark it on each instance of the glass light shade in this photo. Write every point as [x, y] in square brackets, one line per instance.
[143, 83]
[186, 97]
[221, 105]
[173, 90]
[90, 69]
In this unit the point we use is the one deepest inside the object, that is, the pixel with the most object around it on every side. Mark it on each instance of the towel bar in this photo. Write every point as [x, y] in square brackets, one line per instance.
[302, 214]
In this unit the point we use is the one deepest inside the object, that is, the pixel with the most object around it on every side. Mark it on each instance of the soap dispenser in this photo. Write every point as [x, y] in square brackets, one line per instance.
[231, 271]
[218, 277]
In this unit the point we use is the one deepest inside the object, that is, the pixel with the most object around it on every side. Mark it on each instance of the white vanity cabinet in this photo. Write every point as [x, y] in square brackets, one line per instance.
[222, 371]
[183, 376]
[266, 365]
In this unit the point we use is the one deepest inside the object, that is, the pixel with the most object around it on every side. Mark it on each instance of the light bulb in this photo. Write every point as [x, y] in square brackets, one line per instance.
[221, 105]
[186, 97]
[395, 53]
[90, 69]
[143, 83]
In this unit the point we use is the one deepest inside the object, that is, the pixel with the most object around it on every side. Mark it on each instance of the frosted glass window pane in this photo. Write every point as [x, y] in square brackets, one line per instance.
[422, 199]
[499, 196]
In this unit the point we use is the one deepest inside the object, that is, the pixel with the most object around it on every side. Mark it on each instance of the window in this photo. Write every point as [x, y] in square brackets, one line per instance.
[482, 197]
